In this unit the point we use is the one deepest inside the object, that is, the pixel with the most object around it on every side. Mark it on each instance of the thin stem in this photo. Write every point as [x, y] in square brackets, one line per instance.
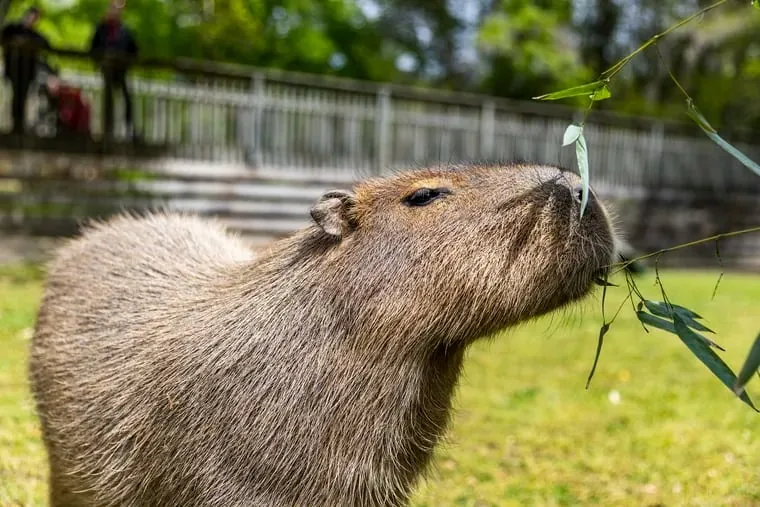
[587, 112]
[607, 74]
[620, 308]
[670, 73]
[623, 265]
[633, 287]
[720, 261]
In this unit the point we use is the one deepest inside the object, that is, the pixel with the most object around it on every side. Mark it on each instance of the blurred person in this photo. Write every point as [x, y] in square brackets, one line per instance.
[21, 62]
[112, 36]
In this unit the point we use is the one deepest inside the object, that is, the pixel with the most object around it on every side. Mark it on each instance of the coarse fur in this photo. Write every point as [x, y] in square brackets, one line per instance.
[172, 366]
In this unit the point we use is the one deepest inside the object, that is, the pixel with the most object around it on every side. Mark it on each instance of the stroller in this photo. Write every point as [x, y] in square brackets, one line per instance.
[62, 108]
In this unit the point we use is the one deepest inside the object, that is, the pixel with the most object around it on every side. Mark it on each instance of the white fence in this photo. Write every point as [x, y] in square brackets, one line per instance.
[277, 123]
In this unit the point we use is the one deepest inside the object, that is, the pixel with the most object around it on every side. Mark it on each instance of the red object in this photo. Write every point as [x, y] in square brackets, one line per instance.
[73, 111]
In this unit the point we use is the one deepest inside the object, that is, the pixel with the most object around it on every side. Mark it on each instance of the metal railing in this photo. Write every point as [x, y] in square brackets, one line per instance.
[234, 114]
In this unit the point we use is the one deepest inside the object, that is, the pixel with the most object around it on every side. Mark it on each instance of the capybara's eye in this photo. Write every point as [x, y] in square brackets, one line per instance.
[423, 196]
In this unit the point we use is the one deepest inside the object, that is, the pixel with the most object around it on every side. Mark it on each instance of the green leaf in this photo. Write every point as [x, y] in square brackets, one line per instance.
[697, 117]
[708, 357]
[756, 4]
[738, 155]
[661, 308]
[571, 134]
[602, 331]
[667, 325]
[657, 322]
[601, 93]
[713, 134]
[586, 89]
[751, 365]
[581, 153]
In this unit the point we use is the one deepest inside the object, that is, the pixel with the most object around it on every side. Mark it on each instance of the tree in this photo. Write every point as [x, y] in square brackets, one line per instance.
[531, 47]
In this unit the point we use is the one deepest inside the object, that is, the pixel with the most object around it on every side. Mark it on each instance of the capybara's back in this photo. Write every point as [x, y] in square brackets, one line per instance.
[109, 293]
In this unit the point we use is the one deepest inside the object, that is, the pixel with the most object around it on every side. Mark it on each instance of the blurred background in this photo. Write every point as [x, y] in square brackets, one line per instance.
[247, 109]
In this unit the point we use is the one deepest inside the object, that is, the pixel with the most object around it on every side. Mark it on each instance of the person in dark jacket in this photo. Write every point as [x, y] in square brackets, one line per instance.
[112, 36]
[20, 63]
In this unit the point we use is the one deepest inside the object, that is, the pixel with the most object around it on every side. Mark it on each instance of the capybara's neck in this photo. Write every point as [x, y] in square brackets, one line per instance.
[351, 408]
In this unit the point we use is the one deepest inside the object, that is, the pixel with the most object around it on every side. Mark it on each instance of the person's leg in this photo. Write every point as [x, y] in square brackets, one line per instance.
[124, 87]
[109, 84]
[18, 107]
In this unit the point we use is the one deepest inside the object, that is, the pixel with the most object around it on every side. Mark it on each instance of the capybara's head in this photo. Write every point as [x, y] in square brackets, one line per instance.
[458, 252]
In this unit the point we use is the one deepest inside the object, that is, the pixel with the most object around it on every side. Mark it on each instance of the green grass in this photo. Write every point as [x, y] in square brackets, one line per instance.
[526, 432]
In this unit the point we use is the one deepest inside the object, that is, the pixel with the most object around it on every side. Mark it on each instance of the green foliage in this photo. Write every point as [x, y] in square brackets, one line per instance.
[600, 342]
[321, 36]
[751, 365]
[591, 90]
[521, 48]
[574, 134]
[712, 134]
[581, 155]
[709, 358]
[525, 44]
[665, 316]
[682, 322]
[667, 310]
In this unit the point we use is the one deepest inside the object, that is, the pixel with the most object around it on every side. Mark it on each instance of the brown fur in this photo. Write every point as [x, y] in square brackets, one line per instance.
[173, 367]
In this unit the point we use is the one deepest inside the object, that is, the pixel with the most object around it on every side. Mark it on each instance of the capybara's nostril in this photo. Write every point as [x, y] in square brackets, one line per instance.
[578, 194]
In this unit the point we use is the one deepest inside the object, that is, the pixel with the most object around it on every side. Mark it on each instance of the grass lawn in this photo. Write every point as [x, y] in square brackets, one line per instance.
[655, 428]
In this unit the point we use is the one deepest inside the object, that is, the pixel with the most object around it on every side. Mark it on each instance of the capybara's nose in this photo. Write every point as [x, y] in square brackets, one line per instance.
[578, 194]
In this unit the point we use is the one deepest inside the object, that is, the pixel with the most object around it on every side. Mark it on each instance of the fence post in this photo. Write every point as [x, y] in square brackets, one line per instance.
[258, 82]
[382, 129]
[487, 129]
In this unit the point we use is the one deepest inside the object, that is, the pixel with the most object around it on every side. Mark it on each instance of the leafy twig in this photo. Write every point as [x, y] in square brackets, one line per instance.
[617, 67]
[622, 265]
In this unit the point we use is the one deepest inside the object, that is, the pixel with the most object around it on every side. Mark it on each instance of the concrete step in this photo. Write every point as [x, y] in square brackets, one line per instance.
[203, 206]
[165, 189]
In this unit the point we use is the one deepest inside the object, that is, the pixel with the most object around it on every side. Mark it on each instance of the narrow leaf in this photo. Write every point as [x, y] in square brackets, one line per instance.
[657, 322]
[685, 311]
[713, 134]
[581, 153]
[738, 155]
[667, 325]
[586, 89]
[661, 308]
[601, 93]
[602, 331]
[751, 365]
[571, 134]
[697, 117]
[708, 357]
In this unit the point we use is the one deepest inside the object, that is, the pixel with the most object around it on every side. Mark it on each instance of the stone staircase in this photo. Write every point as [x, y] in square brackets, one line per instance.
[261, 204]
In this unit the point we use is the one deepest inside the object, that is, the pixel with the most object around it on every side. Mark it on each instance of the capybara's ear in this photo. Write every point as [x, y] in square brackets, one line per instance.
[331, 212]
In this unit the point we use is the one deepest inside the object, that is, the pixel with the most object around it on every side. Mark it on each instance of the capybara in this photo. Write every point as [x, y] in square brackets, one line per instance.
[173, 366]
